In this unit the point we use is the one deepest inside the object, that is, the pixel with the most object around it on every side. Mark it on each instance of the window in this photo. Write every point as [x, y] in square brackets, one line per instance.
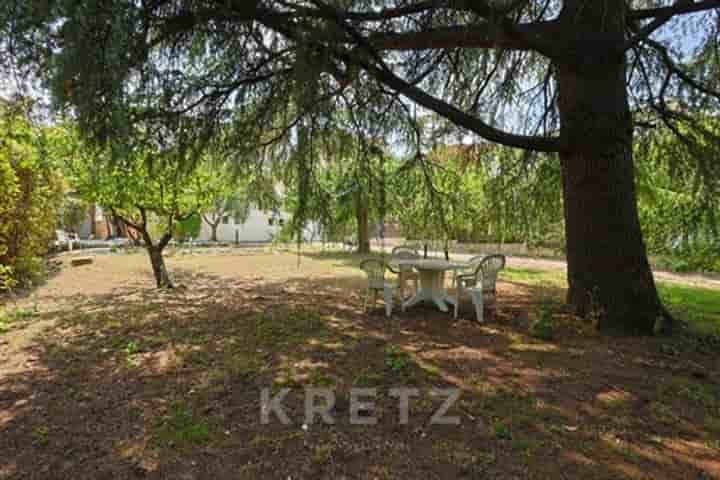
[226, 219]
[271, 221]
[281, 221]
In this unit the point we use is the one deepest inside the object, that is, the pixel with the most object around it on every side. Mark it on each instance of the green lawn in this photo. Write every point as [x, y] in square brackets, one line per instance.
[697, 306]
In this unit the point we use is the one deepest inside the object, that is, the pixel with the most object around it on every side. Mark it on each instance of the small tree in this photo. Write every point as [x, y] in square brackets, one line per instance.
[146, 188]
[228, 191]
[224, 196]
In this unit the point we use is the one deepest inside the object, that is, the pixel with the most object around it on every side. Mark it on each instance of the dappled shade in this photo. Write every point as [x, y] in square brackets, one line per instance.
[113, 378]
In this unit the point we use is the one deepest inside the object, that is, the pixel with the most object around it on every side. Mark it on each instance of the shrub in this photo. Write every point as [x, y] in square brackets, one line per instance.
[30, 190]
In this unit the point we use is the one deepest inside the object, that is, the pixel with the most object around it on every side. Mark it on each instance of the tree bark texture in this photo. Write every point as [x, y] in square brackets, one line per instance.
[609, 275]
[162, 278]
[363, 225]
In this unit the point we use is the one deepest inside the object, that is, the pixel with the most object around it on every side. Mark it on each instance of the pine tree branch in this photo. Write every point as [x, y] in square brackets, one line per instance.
[533, 36]
[680, 8]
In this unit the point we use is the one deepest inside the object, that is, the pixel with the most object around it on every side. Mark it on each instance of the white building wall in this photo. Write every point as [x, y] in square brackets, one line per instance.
[256, 228]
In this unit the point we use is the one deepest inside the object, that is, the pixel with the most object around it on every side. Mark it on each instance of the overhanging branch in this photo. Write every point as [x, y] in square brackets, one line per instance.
[680, 8]
[675, 69]
[535, 36]
[474, 124]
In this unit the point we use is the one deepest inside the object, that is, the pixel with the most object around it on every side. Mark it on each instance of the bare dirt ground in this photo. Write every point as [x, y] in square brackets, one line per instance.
[112, 379]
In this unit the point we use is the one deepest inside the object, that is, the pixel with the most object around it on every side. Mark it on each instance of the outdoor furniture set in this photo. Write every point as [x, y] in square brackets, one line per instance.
[477, 276]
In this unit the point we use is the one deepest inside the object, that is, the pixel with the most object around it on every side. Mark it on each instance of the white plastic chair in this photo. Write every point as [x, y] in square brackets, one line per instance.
[375, 270]
[480, 282]
[404, 273]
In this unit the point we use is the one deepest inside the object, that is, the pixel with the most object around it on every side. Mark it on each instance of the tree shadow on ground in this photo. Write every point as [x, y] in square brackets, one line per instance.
[166, 384]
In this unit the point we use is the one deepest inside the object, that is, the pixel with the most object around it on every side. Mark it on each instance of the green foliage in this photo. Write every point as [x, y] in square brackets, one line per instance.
[135, 190]
[481, 193]
[8, 317]
[697, 307]
[4, 324]
[678, 186]
[227, 192]
[7, 280]
[353, 176]
[132, 348]
[41, 435]
[188, 228]
[701, 257]
[501, 429]
[151, 188]
[181, 427]
[72, 212]
[148, 189]
[396, 359]
[31, 188]
[543, 327]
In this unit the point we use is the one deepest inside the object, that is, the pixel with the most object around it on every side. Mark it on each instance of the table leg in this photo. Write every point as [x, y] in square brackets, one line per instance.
[414, 300]
[448, 299]
[440, 302]
[431, 290]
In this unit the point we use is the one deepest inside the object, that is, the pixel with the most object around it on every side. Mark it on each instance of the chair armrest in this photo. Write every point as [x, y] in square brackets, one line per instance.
[466, 277]
[389, 267]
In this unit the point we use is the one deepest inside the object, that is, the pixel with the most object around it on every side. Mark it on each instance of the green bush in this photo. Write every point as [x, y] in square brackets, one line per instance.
[30, 191]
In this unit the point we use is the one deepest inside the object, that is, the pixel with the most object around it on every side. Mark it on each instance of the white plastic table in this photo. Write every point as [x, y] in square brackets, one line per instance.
[431, 281]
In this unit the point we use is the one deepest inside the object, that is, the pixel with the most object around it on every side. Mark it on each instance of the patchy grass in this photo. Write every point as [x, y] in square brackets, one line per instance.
[125, 381]
[533, 277]
[395, 359]
[13, 316]
[286, 329]
[181, 427]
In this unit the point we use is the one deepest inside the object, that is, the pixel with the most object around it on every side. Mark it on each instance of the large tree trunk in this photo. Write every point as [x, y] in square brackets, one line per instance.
[363, 226]
[162, 278]
[213, 230]
[608, 271]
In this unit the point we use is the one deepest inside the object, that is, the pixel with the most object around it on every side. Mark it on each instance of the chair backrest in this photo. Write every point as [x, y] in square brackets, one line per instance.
[405, 253]
[475, 263]
[490, 266]
[402, 253]
[375, 270]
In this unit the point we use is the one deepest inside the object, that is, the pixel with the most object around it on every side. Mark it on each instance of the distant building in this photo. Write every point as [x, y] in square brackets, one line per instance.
[95, 224]
[260, 226]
